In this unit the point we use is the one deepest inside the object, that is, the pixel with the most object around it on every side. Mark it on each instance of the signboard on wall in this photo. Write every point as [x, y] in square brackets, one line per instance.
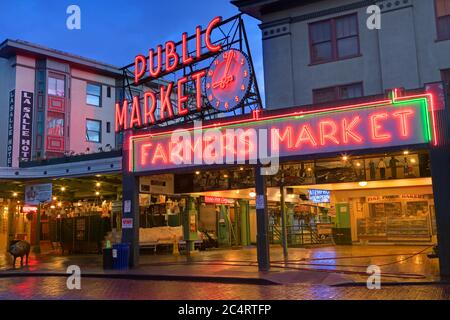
[38, 193]
[373, 125]
[9, 149]
[158, 184]
[319, 196]
[26, 126]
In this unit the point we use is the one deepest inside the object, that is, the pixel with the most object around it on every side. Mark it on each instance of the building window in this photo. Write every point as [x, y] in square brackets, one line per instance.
[108, 91]
[334, 39]
[108, 127]
[347, 91]
[56, 85]
[443, 19]
[93, 131]
[55, 124]
[93, 94]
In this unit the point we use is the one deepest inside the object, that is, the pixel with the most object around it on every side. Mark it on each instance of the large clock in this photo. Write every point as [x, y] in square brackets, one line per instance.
[228, 80]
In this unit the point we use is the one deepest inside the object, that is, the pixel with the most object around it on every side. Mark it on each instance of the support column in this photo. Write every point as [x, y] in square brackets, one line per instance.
[130, 210]
[262, 221]
[283, 222]
[245, 222]
[37, 245]
[440, 174]
[11, 215]
[130, 204]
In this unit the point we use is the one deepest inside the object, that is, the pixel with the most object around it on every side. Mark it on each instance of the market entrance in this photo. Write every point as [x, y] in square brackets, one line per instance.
[384, 198]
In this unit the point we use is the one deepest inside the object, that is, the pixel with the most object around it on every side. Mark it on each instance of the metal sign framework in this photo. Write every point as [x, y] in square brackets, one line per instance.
[231, 34]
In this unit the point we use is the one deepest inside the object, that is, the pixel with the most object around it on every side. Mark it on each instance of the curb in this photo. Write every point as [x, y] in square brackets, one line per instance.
[218, 279]
[393, 284]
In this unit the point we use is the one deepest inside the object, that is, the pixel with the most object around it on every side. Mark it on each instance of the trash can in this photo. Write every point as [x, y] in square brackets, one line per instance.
[121, 255]
[107, 258]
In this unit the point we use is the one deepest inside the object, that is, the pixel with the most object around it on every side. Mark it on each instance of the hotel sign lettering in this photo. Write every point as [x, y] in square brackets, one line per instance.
[9, 150]
[26, 123]
[385, 123]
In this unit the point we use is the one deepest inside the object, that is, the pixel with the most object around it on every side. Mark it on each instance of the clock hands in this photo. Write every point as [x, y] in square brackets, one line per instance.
[226, 78]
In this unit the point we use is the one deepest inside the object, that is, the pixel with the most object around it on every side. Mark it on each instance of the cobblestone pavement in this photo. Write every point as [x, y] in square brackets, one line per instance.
[55, 288]
[397, 263]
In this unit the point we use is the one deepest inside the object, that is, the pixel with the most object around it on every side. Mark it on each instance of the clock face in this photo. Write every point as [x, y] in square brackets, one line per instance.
[228, 80]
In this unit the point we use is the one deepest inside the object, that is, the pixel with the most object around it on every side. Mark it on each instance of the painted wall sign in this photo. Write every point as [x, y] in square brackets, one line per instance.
[26, 124]
[9, 149]
[398, 122]
[38, 193]
[157, 184]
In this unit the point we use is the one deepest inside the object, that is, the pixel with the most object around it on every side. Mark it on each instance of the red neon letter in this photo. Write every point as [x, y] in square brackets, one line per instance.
[186, 59]
[135, 113]
[347, 130]
[171, 54]
[198, 87]
[198, 41]
[151, 61]
[159, 154]
[166, 103]
[305, 136]
[404, 121]
[208, 43]
[328, 135]
[287, 134]
[376, 134]
[149, 113]
[122, 116]
[181, 97]
[139, 60]
[144, 153]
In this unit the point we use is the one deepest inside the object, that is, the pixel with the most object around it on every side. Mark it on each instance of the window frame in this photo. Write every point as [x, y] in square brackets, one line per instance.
[100, 130]
[337, 90]
[334, 40]
[439, 36]
[88, 94]
[57, 77]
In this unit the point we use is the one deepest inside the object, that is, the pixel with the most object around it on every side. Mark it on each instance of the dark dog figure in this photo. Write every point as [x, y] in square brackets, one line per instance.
[19, 248]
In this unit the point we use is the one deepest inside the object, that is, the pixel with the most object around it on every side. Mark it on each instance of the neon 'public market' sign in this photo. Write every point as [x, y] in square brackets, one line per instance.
[160, 62]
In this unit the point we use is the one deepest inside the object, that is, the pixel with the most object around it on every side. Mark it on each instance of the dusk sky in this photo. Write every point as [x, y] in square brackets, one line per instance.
[115, 31]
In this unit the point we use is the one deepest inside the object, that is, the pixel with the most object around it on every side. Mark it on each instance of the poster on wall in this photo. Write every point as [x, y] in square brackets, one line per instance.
[9, 149]
[26, 123]
[38, 193]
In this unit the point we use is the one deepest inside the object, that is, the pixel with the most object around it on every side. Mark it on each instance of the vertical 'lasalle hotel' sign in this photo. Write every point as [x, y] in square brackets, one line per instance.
[26, 122]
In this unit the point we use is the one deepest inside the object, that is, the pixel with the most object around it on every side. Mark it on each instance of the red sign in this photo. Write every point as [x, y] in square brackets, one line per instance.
[154, 67]
[398, 122]
[218, 200]
[227, 81]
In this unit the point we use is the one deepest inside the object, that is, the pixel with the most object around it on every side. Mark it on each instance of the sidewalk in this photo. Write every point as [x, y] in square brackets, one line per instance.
[333, 265]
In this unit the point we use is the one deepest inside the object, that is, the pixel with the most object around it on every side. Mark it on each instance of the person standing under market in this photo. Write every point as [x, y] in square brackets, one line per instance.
[382, 166]
[372, 169]
[393, 166]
